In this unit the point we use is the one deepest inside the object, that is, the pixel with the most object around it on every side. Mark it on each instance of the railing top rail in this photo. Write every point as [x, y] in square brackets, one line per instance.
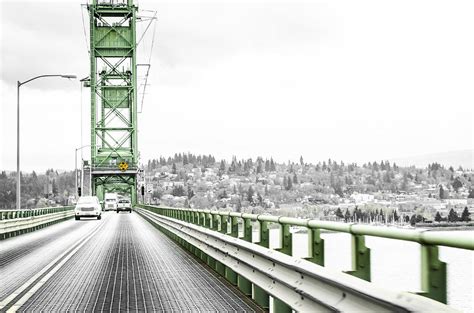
[35, 209]
[422, 236]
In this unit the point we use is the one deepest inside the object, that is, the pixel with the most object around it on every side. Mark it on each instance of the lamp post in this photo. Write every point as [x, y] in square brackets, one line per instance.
[19, 84]
[75, 166]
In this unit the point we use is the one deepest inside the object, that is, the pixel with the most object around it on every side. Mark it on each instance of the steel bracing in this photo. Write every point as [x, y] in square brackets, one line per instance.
[113, 82]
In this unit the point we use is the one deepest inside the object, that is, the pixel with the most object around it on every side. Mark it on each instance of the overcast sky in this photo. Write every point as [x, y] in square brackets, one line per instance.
[347, 80]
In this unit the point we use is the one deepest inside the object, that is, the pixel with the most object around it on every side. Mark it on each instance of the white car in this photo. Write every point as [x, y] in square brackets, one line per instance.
[88, 206]
[124, 205]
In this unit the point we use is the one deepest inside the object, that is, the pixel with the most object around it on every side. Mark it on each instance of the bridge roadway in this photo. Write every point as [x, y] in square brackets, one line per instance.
[118, 263]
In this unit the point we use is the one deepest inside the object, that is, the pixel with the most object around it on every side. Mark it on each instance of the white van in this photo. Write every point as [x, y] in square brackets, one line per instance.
[88, 206]
[110, 201]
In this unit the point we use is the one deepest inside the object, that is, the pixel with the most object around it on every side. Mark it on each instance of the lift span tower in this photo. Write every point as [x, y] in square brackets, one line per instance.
[113, 86]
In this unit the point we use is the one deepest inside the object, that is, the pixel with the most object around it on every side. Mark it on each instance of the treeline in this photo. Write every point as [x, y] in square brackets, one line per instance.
[37, 190]
[329, 176]
[454, 217]
[184, 158]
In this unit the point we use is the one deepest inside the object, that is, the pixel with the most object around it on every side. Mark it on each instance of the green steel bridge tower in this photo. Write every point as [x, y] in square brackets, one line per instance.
[113, 84]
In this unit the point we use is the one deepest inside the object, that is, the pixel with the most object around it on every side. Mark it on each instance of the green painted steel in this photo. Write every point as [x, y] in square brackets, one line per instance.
[286, 247]
[261, 296]
[9, 215]
[315, 246]
[433, 274]
[13, 214]
[360, 258]
[280, 306]
[113, 83]
[433, 271]
[286, 240]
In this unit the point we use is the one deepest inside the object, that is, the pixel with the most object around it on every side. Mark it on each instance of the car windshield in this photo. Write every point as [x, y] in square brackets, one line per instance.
[110, 200]
[124, 201]
[87, 200]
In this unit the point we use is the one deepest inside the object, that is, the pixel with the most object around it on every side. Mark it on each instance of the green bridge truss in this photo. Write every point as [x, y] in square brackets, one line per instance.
[113, 83]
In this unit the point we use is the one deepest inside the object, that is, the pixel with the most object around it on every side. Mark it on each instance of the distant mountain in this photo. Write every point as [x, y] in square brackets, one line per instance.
[464, 158]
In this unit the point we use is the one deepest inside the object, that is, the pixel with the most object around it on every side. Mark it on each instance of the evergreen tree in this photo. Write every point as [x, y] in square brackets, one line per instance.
[250, 194]
[452, 216]
[441, 192]
[295, 179]
[54, 187]
[173, 170]
[465, 215]
[457, 184]
[259, 198]
[272, 165]
[438, 217]
[289, 183]
[347, 215]
[339, 213]
[190, 192]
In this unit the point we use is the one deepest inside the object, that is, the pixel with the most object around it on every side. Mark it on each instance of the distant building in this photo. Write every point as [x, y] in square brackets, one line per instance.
[361, 198]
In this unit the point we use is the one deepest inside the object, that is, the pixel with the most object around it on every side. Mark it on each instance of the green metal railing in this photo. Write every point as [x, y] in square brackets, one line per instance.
[17, 222]
[433, 271]
[13, 214]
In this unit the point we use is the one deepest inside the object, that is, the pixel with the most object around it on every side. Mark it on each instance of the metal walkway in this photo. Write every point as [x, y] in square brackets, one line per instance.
[125, 265]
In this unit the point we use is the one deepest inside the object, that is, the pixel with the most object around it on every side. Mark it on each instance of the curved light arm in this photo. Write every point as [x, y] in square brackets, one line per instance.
[54, 75]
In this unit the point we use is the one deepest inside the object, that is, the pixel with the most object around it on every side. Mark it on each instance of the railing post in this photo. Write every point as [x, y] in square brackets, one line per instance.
[224, 224]
[360, 258]
[243, 283]
[215, 222]
[261, 296]
[433, 274]
[286, 248]
[197, 218]
[316, 246]
[208, 217]
[234, 226]
[247, 229]
[285, 239]
[220, 268]
[230, 275]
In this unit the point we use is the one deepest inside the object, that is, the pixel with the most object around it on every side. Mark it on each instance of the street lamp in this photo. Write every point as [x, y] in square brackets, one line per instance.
[19, 84]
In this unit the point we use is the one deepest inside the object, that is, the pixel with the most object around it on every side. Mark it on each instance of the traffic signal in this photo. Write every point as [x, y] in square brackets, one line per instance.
[79, 191]
[143, 190]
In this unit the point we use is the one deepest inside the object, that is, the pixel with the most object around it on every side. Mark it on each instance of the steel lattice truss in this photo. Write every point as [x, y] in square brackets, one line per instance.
[113, 83]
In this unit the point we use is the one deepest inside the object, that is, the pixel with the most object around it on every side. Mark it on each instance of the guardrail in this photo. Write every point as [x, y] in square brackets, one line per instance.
[433, 274]
[16, 222]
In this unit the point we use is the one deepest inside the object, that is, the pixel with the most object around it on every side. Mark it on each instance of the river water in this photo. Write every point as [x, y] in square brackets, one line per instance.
[395, 264]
